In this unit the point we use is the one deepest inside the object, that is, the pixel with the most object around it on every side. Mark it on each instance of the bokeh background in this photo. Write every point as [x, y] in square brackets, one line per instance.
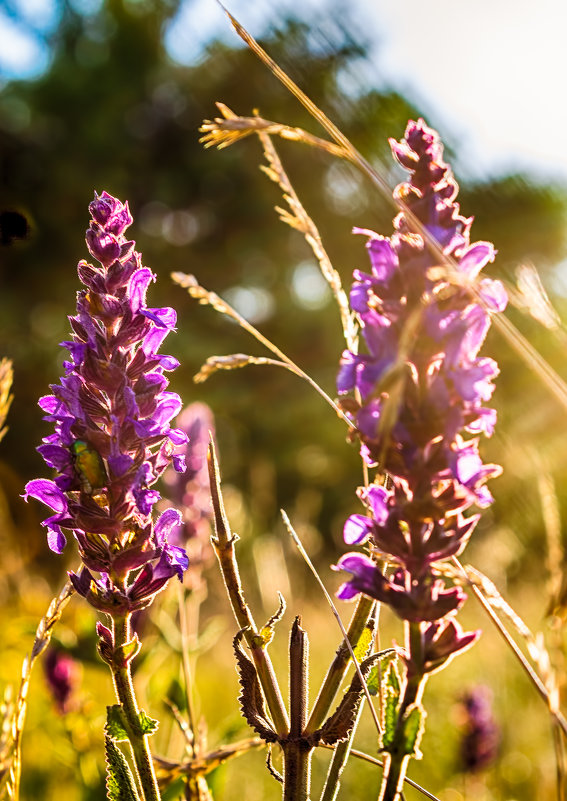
[109, 94]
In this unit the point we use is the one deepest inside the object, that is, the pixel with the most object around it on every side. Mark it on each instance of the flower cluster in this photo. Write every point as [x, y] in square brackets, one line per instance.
[112, 438]
[419, 391]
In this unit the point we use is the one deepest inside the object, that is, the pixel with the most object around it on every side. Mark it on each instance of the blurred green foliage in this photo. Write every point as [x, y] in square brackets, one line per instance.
[114, 112]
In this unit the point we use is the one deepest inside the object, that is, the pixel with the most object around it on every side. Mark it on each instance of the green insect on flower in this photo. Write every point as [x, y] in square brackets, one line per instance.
[89, 466]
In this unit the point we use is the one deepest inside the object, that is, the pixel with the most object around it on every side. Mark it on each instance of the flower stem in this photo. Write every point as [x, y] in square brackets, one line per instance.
[397, 757]
[124, 687]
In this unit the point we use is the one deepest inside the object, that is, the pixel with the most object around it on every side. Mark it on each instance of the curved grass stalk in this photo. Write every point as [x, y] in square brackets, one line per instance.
[378, 762]
[301, 221]
[190, 283]
[532, 358]
[550, 698]
[41, 641]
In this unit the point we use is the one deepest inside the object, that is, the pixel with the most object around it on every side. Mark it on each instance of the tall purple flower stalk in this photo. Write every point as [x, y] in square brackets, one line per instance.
[416, 398]
[112, 438]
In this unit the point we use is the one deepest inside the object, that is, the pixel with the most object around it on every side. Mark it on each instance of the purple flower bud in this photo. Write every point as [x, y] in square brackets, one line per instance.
[112, 437]
[62, 674]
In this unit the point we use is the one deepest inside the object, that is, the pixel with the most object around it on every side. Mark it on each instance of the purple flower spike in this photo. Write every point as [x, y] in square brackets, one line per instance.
[417, 392]
[112, 437]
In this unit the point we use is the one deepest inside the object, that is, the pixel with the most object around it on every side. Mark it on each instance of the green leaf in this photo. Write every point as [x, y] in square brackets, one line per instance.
[376, 672]
[147, 725]
[391, 706]
[120, 785]
[373, 680]
[115, 728]
[393, 679]
[413, 726]
[131, 648]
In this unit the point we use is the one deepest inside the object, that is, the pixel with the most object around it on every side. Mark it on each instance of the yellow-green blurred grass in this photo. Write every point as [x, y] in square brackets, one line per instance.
[62, 755]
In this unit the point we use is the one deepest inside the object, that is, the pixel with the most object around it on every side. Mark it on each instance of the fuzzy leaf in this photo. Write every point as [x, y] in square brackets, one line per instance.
[114, 727]
[391, 705]
[339, 725]
[120, 785]
[373, 680]
[413, 725]
[147, 725]
[266, 633]
[393, 679]
[251, 699]
[375, 674]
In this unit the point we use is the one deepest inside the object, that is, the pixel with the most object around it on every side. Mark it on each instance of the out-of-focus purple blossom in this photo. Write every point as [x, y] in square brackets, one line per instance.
[480, 739]
[416, 395]
[190, 491]
[112, 437]
[62, 674]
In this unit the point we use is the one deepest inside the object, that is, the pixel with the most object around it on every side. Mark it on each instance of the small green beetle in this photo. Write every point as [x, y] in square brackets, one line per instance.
[89, 466]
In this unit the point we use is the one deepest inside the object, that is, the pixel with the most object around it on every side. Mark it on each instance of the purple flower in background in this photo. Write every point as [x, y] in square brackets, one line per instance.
[417, 394]
[62, 674]
[480, 739]
[112, 437]
[190, 491]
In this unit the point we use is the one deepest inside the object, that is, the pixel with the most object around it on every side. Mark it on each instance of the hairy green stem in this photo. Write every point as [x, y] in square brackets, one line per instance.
[124, 687]
[397, 759]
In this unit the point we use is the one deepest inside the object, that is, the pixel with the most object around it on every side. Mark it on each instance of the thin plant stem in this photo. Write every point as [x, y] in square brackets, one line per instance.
[378, 762]
[41, 641]
[518, 342]
[337, 669]
[191, 284]
[528, 669]
[296, 751]
[311, 566]
[223, 544]
[139, 742]
[187, 672]
[301, 221]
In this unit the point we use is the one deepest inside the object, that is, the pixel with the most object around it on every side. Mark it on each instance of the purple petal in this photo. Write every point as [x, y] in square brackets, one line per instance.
[179, 463]
[493, 294]
[56, 539]
[48, 493]
[55, 456]
[165, 524]
[165, 317]
[138, 287]
[476, 257]
[357, 529]
[177, 436]
[378, 498]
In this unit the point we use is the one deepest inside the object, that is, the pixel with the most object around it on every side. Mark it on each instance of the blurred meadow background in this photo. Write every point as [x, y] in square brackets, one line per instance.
[110, 94]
